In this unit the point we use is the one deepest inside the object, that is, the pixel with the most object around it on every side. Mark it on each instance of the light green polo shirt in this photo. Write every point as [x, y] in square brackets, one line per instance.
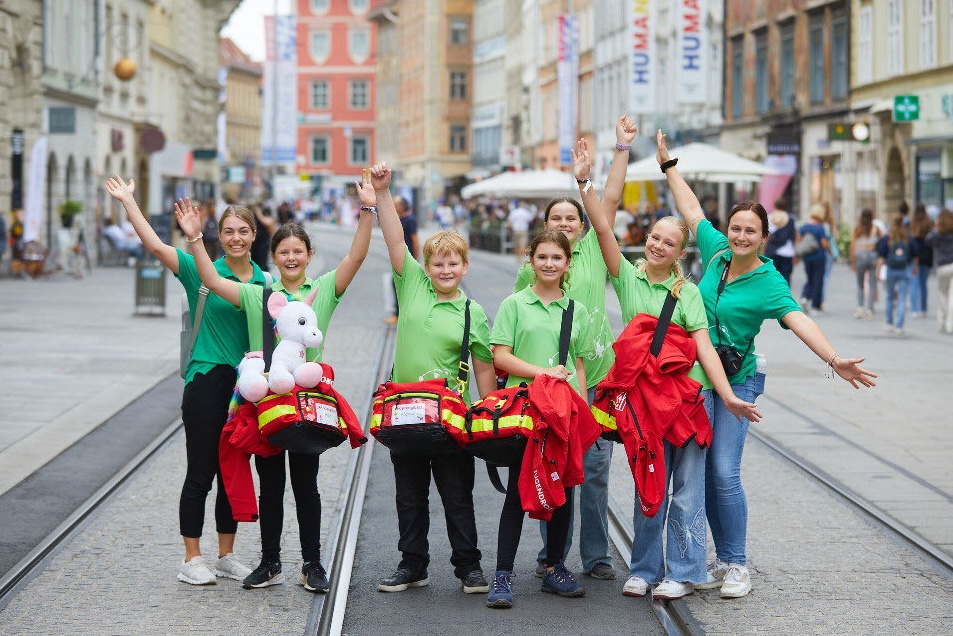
[638, 296]
[324, 305]
[222, 337]
[531, 328]
[587, 286]
[745, 303]
[430, 332]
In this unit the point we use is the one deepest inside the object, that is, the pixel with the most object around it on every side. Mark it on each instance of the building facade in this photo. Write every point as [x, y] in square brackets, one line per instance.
[239, 142]
[336, 91]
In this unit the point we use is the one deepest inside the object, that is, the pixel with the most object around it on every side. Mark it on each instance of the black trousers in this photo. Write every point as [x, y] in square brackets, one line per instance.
[204, 410]
[453, 475]
[271, 509]
[511, 526]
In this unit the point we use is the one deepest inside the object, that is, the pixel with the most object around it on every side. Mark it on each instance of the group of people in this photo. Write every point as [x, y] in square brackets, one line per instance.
[566, 267]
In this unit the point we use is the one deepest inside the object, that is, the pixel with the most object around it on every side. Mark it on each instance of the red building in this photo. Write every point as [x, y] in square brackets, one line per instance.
[336, 90]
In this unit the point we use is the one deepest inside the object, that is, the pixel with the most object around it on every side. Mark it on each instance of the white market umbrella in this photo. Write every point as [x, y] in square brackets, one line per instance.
[525, 184]
[701, 162]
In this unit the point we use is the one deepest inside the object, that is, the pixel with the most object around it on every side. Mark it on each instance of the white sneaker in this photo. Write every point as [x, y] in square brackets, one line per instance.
[716, 574]
[737, 582]
[230, 567]
[669, 589]
[196, 572]
[635, 586]
[859, 313]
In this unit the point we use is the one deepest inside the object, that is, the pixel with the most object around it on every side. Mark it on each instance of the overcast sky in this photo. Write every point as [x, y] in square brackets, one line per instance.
[246, 27]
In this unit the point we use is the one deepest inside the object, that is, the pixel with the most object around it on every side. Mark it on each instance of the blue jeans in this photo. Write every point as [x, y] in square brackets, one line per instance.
[898, 281]
[593, 506]
[685, 540]
[814, 286]
[725, 501]
[918, 288]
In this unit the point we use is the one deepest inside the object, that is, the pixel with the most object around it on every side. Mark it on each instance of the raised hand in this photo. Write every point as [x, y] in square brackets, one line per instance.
[188, 217]
[661, 155]
[119, 189]
[850, 370]
[380, 176]
[625, 131]
[365, 191]
[581, 161]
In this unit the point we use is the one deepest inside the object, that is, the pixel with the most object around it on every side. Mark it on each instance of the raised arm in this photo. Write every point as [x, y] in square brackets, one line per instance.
[190, 220]
[387, 216]
[125, 194]
[847, 368]
[361, 242]
[685, 200]
[625, 131]
[598, 212]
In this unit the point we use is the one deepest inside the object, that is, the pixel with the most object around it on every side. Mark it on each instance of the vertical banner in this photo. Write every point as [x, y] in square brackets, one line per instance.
[643, 62]
[691, 74]
[35, 191]
[16, 169]
[567, 74]
[279, 82]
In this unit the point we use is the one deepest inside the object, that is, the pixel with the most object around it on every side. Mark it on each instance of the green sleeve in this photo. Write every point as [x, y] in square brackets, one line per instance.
[479, 334]
[524, 278]
[693, 314]
[504, 326]
[710, 242]
[583, 344]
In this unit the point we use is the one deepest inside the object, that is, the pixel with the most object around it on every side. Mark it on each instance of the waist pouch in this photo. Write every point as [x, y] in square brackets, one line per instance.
[419, 418]
[498, 425]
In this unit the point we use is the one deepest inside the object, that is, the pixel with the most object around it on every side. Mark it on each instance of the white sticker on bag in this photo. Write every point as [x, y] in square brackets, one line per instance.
[325, 414]
[413, 413]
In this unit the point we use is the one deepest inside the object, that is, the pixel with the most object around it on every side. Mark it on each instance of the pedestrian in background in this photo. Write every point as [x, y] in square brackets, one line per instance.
[291, 252]
[520, 220]
[863, 260]
[815, 262]
[940, 240]
[782, 233]
[210, 230]
[261, 246]
[429, 334]
[586, 284]
[920, 226]
[898, 252]
[220, 344]
[408, 224]
[833, 250]
[753, 291]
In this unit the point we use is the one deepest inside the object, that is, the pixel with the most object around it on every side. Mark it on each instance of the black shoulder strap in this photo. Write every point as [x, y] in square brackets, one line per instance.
[267, 329]
[493, 472]
[663, 321]
[565, 333]
[463, 371]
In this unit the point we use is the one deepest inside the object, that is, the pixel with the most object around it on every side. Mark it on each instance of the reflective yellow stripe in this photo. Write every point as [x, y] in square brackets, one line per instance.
[278, 410]
[604, 419]
[485, 424]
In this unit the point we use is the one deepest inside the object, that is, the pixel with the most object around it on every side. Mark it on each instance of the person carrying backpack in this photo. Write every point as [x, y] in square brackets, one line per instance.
[898, 251]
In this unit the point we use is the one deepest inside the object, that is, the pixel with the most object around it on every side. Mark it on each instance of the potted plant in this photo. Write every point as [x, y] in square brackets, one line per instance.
[68, 210]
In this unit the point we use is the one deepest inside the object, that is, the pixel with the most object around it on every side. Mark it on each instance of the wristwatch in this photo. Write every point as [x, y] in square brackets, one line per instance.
[588, 185]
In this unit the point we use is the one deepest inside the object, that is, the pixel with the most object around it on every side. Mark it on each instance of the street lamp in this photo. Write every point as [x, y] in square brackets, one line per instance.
[860, 131]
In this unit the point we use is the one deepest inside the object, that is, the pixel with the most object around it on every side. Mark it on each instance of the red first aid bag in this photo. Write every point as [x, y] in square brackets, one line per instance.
[498, 425]
[420, 418]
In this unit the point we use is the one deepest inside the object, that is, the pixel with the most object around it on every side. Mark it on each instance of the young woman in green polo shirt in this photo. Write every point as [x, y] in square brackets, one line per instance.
[643, 288]
[291, 252]
[587, 286]
[429, 333]
[753, 291]
[526, 344]
[210, 376]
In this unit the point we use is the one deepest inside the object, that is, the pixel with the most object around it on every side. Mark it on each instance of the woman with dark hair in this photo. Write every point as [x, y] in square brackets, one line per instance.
[741, 289]
[920, 226]
[863, 260]
[898, 252]
[815, 262]
[941, 241]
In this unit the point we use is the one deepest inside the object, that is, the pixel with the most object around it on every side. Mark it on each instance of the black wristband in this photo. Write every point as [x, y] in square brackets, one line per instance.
[668, 164]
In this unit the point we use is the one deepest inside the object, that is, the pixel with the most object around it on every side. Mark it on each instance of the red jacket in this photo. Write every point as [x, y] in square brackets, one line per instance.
[564, 429]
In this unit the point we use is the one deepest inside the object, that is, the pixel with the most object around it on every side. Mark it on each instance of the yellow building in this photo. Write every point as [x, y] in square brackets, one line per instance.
[240, 140]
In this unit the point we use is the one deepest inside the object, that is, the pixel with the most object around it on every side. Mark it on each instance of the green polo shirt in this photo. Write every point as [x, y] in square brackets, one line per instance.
[430, 332]
[222, 337]
[587, 286]
[324, 305]
[638, 296]
[531, 328]
[745, 303]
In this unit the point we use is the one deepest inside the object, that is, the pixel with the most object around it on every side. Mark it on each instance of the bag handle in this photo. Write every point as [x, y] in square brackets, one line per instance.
[663, 321]
[197, 322]
[463, 371]
[267, 329]
[565, 333]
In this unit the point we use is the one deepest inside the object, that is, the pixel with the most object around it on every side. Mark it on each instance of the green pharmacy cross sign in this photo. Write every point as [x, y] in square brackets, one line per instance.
[906, 108]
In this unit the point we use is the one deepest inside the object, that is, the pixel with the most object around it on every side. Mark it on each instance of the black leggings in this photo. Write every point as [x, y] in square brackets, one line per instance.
[511, 526]
[204, 410]
[304, 484]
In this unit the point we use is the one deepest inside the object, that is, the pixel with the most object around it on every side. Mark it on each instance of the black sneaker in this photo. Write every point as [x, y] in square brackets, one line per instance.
[475, 583]
[267, 573]
[314, 578]
[403, 579]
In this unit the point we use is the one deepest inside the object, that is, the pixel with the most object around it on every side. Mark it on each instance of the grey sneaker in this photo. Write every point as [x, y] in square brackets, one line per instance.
[716, 574]
[602, 571]
[540, 570]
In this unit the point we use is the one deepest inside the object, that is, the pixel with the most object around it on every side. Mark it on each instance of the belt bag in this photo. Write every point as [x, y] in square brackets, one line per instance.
[498, 425]
[420, 418]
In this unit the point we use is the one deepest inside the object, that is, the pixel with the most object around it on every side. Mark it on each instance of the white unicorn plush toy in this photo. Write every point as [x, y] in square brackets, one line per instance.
[297, 328]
